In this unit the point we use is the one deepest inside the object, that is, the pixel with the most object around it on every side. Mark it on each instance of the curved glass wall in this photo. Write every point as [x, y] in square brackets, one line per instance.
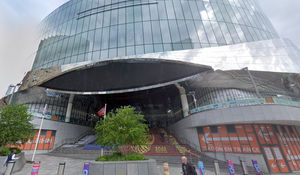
[94, 30]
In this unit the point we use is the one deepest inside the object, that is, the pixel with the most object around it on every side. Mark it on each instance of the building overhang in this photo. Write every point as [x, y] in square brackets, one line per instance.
[117, 76]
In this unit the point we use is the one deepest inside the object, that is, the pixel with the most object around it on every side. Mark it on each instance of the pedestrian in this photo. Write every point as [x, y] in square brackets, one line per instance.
[10, 157]
[187, 168]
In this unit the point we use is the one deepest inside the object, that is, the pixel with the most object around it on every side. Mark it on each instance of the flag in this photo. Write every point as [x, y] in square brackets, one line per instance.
[44, 110]
[102, 111]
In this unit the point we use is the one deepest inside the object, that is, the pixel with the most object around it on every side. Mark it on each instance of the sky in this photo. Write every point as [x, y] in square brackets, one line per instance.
[19, 19]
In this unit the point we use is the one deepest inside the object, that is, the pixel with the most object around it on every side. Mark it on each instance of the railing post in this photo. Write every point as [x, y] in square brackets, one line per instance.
[244, 167]
[217, 168]
[61, 168]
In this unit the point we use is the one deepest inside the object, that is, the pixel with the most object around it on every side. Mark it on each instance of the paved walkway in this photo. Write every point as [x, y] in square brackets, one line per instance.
[74, 166]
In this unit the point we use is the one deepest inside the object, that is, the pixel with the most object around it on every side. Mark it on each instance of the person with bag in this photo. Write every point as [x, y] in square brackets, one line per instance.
[10, 157]
[187, 168]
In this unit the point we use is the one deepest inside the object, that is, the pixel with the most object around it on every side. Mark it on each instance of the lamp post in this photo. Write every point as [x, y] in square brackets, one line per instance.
[252, 80]
[192, 93]
[12, 95]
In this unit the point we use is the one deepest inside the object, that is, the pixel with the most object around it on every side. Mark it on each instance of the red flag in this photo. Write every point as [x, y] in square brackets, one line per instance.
[102, 111]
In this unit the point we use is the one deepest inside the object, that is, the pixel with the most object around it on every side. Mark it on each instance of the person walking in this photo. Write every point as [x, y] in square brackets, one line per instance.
[10, 157]
[187, 168]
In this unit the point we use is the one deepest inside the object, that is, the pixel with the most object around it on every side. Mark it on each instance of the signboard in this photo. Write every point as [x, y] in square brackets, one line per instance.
[46, 141]
[35, 169]
[86, 169]
[231, 167]
[256, 167]
[201, 168]
[239, 140]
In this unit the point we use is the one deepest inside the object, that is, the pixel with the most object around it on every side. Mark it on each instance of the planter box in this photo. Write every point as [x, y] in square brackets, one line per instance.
[144, 167]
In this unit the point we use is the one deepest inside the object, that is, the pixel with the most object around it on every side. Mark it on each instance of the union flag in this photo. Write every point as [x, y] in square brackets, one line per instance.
[102, 111]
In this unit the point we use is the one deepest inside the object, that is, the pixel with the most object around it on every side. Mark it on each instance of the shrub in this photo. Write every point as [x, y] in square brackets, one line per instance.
[18, 150]
[4, 151]
[120, 157]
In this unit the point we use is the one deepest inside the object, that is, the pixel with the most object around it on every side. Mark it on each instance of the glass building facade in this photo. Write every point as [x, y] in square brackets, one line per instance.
[95, 30]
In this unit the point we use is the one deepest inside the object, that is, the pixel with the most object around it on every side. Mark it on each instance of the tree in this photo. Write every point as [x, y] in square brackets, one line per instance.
[124, 127]
[15, 124]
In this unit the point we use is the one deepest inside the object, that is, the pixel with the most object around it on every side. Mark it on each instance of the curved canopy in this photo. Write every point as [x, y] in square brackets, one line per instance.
[123, 75]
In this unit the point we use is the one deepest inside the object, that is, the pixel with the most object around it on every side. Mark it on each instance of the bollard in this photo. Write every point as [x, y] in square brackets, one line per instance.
[86, 169]
[201, 167]
[61, 168]
[217, 168]
[9, 168]
[244, 167]
[166, 169]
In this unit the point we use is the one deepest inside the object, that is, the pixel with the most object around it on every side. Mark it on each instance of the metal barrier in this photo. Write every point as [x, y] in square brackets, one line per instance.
[247, 102]
[10, 168]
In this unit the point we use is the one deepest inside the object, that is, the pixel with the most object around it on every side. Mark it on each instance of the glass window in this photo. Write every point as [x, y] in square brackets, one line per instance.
[170, 10]
[185, 38]
[161, 10]
[201, 32]
[121, 35]
[146, 12]
[165, 30]
[138, 33]
[139, 49]
[122, 16]
[137, 13]
[209, 31]
[202, 10]
[186, 10]
[130, 50]
[97, 43]
[99, 22]
[226, 33]
[178, 9]
[105, 38]
[106, 18]
[218, 33]
[156, 32]
[147, 33]
[113, 37]
[114, 17]
[192, 31]
[129, 34]
[129, 14]
[91, 40]
[121, 51]
[194, 9]
[174, 31]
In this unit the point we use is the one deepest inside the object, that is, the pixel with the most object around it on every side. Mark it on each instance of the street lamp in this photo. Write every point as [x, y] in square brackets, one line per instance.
[252, 80]
[13, 92]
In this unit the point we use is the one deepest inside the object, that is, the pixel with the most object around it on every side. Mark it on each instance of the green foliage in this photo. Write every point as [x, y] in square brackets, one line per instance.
[124, 127]
[15, 124]
[18, 150]
[119, 157]
[4, 151]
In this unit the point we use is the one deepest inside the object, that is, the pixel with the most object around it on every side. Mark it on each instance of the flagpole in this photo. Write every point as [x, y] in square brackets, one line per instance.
[38, 137]
[105, 111]
[102, 147]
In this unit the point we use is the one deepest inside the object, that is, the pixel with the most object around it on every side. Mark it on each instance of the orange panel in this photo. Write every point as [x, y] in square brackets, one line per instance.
[234, 142]
[208, 138]
[47, 140]
[225, 139]
[280, 161]
[242, 135]
[253, 143]
[272, 134]
[271, 160]
[34, 140]
[248, 128]
[41, 143]
[293, 146]
[217, 142]
[202, 142]
[259, 134]
[286, 151]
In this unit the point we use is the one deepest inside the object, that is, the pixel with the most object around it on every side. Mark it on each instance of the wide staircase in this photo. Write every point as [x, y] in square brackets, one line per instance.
[161, 146]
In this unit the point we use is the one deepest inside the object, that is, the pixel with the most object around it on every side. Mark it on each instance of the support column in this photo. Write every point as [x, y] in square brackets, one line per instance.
[69, 109]
[184, 101]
